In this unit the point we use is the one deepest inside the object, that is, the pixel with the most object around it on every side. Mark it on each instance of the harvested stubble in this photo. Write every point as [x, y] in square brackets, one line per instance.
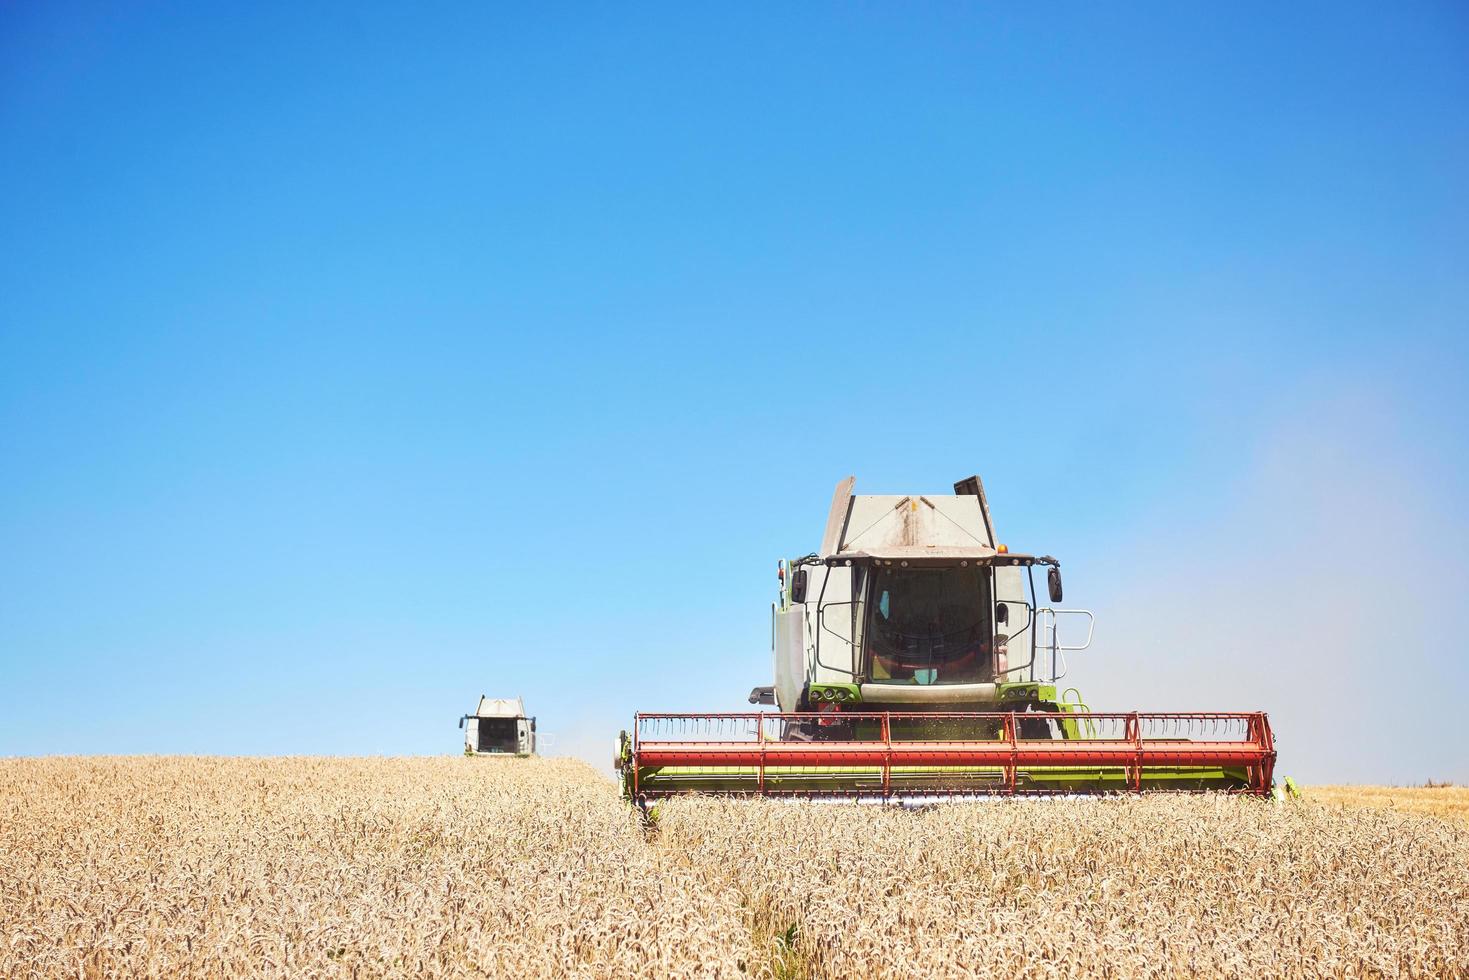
[1121, 887]
[317, 867]
[463, 867]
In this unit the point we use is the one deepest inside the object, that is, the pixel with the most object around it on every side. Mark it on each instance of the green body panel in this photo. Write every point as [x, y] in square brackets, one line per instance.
[835, 693]
[1016, 694]
[1024, 692]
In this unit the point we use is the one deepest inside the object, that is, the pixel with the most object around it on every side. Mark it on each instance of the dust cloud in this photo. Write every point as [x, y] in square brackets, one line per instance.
[1327, 589]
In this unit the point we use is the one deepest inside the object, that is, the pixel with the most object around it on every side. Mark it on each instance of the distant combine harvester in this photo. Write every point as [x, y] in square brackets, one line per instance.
[499, 726]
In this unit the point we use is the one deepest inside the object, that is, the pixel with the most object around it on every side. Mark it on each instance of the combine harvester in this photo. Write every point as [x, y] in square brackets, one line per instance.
[913, 663]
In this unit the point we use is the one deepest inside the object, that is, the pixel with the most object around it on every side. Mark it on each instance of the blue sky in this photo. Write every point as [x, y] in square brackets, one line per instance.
[357, 361]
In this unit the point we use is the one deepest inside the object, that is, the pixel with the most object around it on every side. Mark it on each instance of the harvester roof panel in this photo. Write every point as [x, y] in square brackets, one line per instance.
[499, 708]
[913, 523]
[931, 555]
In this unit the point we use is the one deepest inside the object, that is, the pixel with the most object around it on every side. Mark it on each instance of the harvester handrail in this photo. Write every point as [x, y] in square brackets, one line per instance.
[1048, 628]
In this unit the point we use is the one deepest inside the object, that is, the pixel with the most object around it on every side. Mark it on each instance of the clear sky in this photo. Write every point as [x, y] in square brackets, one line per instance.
[357, 361]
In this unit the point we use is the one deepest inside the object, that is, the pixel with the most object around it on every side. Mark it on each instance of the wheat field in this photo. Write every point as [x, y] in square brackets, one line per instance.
[1449, 802]
[307, 867]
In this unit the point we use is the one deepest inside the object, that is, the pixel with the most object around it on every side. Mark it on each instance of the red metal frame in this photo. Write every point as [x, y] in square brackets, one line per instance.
[1239, 740]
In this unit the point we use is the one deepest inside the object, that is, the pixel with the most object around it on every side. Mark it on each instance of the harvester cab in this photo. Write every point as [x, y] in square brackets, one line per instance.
[499, 726]
[914, 662]
[913, 605]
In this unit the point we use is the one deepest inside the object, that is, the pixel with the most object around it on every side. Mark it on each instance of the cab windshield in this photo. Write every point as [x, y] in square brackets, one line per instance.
[929, 626]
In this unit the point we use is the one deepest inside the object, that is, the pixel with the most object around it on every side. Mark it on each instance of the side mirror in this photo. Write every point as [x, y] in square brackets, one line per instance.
[1002, 613]
[798, 585]
[1053, 583]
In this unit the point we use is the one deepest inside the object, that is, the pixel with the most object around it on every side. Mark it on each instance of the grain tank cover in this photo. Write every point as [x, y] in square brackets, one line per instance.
[500, 708]
[909, 526]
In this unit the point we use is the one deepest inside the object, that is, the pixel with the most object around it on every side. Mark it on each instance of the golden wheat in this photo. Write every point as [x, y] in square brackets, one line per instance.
[1449, 802]
[314, 867]
[484, 867]
[1151, 886]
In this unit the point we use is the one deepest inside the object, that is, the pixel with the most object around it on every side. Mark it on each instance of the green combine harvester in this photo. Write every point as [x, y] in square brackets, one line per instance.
[914, 663]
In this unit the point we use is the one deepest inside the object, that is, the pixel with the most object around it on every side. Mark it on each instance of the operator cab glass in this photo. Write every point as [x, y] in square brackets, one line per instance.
[929, 626]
